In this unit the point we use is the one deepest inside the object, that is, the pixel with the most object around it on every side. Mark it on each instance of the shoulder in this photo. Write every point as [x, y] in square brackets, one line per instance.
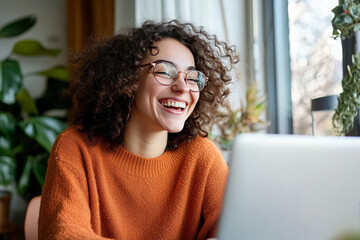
[75, 142]
[204, 146]
[205, 152]
[70, 136]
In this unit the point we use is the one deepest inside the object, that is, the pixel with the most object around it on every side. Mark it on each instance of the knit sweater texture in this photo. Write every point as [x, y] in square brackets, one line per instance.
[94, 192]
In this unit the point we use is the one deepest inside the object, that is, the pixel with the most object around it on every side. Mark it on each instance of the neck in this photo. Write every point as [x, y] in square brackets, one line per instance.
[148, 144]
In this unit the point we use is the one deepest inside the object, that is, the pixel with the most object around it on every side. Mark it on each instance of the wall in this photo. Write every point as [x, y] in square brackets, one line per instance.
[50, 30]
[124, 15]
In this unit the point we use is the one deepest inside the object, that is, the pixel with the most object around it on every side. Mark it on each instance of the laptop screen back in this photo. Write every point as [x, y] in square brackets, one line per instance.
[291, 187]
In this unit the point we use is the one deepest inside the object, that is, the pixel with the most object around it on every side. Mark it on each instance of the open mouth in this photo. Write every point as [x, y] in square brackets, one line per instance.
[177, 105]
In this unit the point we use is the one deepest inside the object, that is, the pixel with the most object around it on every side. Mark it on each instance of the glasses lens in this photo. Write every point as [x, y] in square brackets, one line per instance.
[195, 80]
[165, 73]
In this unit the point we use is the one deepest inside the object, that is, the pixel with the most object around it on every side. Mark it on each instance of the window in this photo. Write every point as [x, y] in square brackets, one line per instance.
[316, 61]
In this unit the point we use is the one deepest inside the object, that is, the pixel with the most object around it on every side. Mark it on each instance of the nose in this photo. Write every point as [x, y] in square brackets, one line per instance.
[180, 84]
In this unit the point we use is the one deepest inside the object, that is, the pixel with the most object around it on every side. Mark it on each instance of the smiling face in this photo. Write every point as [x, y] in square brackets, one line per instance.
[165, 108]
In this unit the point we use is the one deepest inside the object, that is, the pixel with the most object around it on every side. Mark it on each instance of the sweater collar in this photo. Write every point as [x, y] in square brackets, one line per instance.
[148, 167]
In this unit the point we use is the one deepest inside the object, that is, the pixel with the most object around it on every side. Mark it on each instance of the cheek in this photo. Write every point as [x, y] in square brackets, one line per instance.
[146, 90]
[195, 97]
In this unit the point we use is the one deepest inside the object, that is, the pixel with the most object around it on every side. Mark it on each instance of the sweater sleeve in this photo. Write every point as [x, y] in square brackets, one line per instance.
[213, 196]
[64, 210]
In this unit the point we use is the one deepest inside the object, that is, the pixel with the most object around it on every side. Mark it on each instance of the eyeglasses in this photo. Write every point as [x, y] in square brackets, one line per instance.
[166, 74]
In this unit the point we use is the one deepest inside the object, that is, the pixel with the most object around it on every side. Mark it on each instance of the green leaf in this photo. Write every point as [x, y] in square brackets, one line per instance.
[26, 102]
[337, 10]
[16, 150]
[338, 20]
[356, 27]
[17, 27]
[31, 47]
[11, 80]
[39, 170]
[24, 181]
[7, 124]
[335, 33]
[7, 170]
[354, 10]
[5, 146]
[58, 72]
[348, 19]
[260, 108]
[43, 129]
[28, 128]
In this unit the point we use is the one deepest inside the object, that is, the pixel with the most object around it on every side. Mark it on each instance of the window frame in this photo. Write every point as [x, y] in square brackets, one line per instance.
[277, 66]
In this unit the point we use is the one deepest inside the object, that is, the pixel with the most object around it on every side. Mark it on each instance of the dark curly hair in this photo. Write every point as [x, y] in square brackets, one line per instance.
[106, 73]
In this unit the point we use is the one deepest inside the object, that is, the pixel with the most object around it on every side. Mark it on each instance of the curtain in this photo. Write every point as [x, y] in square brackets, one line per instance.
[86, 18]
[207, 13]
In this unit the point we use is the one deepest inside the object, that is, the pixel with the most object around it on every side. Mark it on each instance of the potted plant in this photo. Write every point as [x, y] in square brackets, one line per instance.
[245, 119]
[345, 23]
[346, 20]
[346, 119]
[27, 131]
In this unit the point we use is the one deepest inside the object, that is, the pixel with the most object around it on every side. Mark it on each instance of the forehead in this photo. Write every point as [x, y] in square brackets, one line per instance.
[171, 50]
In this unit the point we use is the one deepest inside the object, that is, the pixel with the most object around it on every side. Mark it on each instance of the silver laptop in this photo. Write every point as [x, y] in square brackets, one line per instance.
[288, 187]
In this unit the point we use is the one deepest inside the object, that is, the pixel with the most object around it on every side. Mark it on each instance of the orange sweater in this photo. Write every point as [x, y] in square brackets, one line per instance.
[93, 192]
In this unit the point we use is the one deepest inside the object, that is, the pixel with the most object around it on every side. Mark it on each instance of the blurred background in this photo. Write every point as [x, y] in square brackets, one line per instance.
[288, 57]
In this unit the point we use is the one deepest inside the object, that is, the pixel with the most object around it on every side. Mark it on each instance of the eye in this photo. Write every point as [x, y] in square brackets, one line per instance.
[163, 74]
[193, 81]
[165, 70]
[195, 78]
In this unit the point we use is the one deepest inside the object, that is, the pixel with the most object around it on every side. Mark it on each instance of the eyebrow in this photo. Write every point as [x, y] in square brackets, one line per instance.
[163, 60]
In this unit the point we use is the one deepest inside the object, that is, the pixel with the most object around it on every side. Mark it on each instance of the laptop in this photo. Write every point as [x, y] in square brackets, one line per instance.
[291, 187]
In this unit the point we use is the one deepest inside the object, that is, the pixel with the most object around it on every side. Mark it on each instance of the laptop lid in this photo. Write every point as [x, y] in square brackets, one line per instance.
[291, 187]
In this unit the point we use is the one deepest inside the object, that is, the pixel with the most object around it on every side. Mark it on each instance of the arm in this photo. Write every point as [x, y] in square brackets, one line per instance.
[213, 198]
[65, 211]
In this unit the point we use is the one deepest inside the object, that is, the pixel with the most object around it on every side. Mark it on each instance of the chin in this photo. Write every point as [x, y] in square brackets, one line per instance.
[174, 129]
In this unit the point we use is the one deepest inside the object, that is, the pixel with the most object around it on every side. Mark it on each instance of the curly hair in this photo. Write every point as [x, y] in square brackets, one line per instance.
[106, 75]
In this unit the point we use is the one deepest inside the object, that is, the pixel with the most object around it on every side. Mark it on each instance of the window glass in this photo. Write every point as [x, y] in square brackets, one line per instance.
[316, 62]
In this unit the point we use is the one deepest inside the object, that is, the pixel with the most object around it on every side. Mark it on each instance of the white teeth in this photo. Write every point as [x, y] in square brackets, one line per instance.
[174, 104]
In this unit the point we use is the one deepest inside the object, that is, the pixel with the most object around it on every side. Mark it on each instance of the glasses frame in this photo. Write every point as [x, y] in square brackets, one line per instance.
[153, 64]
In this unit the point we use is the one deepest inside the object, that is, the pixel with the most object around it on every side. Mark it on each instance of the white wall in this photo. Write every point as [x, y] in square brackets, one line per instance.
[124, 15]
[50, 30]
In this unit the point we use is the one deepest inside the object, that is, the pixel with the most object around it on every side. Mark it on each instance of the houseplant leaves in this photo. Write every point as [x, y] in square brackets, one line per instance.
[57, 72]
[7, 170]
[30, 47]
[33, 166]
[26, 133]
[7, 124]
[43, 129]
[11, 80]
[349, 99]
[26, 102]
[17, 27]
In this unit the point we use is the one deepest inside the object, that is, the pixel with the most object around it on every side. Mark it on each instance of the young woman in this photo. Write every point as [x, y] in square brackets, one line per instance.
[137, 164]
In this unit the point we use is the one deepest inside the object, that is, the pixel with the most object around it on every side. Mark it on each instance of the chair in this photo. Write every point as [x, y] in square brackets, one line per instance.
[326, 103]
[31, 219]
